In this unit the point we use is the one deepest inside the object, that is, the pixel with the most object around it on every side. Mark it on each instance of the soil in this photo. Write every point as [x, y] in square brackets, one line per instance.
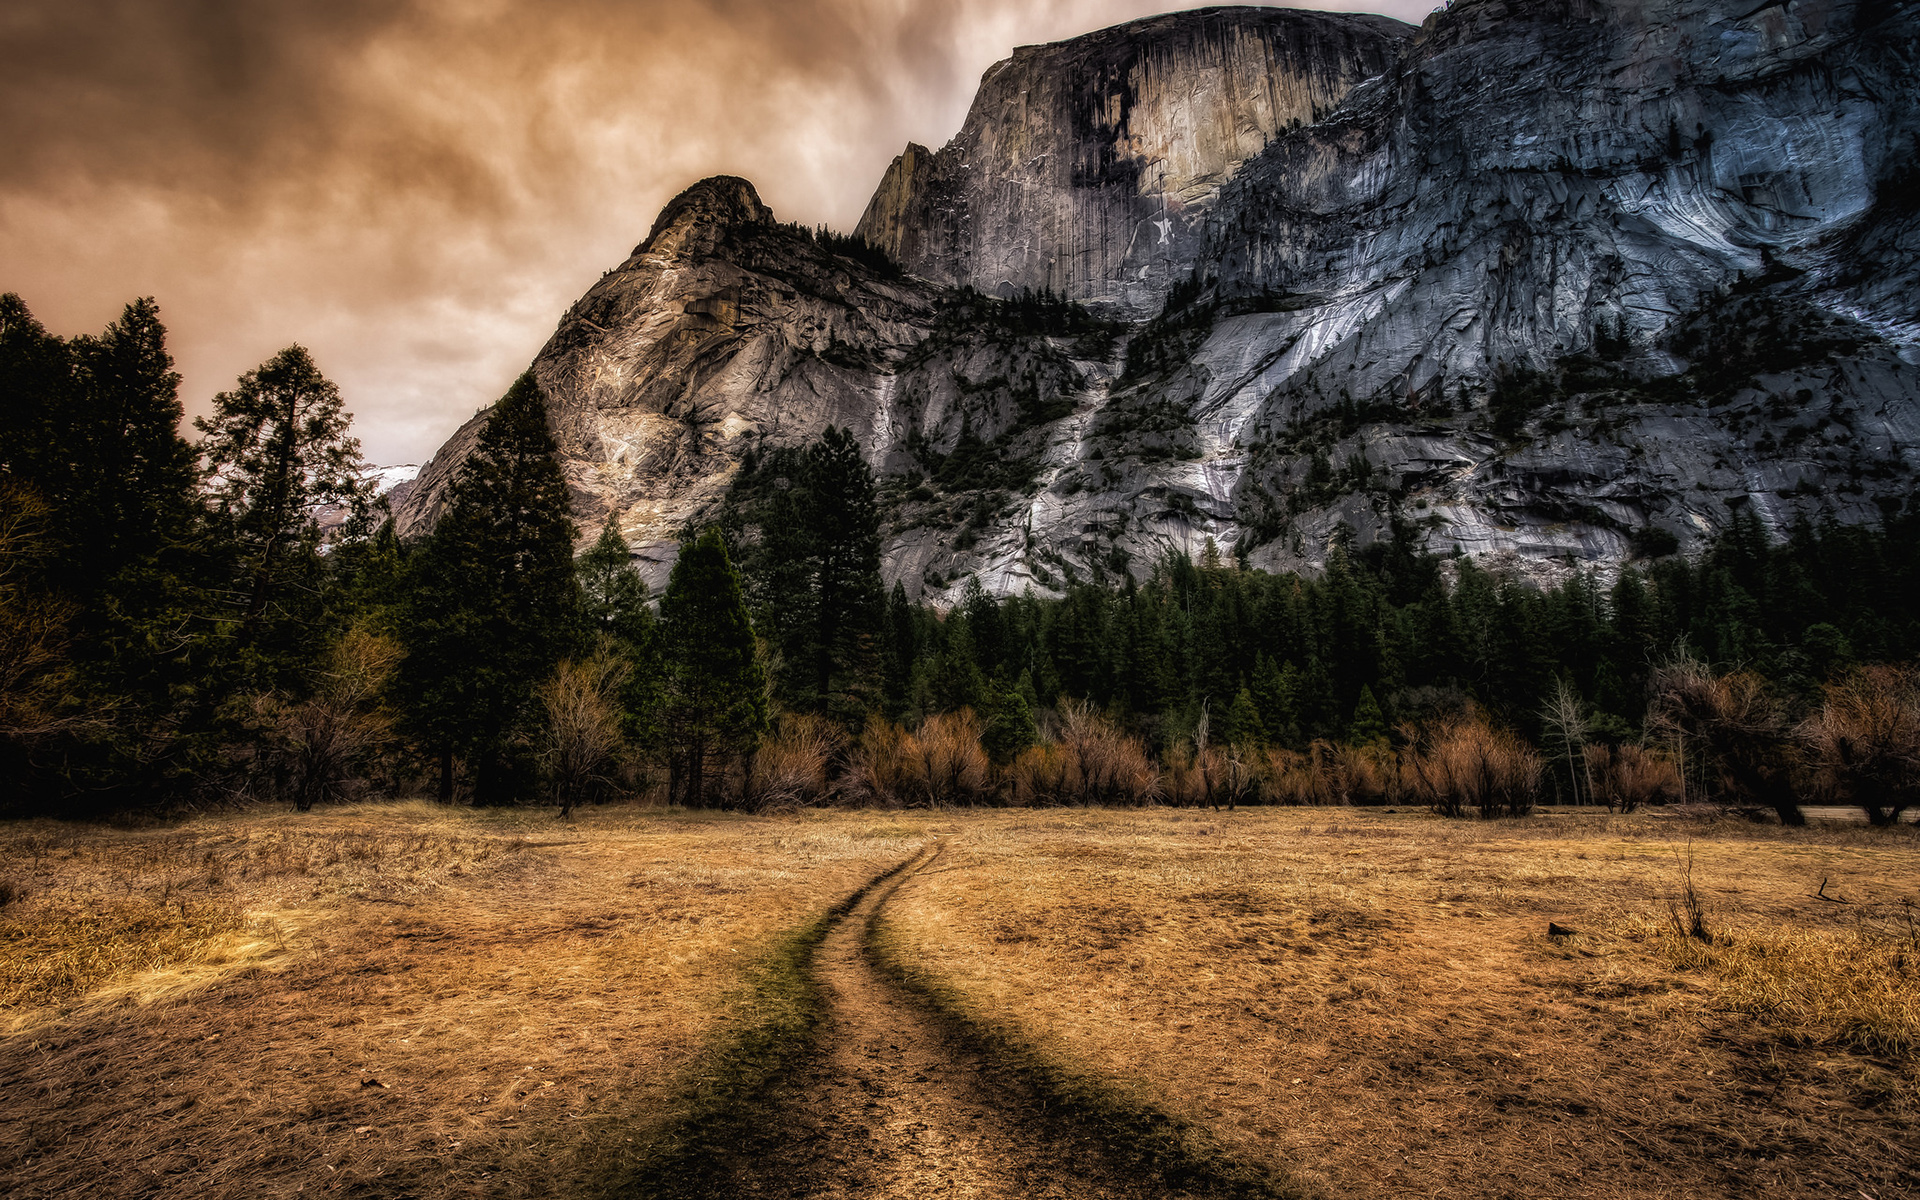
[891, 1107]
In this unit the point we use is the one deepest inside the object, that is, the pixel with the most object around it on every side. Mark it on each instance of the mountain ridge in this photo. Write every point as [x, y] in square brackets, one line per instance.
[1559, 285]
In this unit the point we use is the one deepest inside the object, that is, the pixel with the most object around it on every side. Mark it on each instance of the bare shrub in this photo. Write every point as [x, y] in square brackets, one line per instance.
[1738, 727]
[1629, 777]
[1468, 763]
[1865, 741]
[581, 744]
[794, 766]
[316, 750]
[1089, 761]
[1356, 774]
[1294, 778]
[1326, 773]
[877, 767]
[944, 763]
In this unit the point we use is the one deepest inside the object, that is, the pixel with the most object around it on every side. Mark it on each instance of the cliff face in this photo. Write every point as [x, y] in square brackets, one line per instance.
[1088, 167]
[1549, 283]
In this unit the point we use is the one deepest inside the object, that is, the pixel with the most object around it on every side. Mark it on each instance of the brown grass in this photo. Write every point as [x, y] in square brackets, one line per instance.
[394, 1000]
[1374, 1003]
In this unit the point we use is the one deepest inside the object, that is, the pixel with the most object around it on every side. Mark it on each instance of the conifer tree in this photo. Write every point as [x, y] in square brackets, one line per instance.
[715, 690]
[275, 447]
[614, 595]
[1243, 726]
[494, 602]
[1369, 727]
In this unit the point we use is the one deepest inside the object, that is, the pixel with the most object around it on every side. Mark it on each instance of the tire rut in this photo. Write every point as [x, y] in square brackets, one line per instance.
[889, 1106]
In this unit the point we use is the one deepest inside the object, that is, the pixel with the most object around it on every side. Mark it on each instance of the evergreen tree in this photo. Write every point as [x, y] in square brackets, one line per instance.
[493, 602]
[715, 695]
[1369, 727]
[613, 596]
[1243, 726]
[817, 579]
[275, 448]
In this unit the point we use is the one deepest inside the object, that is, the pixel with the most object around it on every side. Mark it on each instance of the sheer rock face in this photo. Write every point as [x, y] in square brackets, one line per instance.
[1698, 216]
[1088, 167]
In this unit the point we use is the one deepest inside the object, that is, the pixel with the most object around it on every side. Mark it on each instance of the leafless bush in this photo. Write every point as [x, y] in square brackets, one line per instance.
[794, 766]
[1736, 724]
[1088, 761]
[1468, 763]
[316, 750]
[581, 744]
[944, 763]
[1295, 778]
[1629, 777]
[1326, 773]
[877, 767]
[1865, 741]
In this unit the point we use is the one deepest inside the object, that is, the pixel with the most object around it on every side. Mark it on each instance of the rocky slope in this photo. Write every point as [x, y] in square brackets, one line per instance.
[1555, 284]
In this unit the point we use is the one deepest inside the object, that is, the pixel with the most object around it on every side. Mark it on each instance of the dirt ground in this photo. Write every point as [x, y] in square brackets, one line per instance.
[1371, 1000]
[411, 1001]
[415, 1001]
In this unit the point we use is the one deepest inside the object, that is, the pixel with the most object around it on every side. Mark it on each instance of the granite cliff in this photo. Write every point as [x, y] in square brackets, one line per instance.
[1556, 285]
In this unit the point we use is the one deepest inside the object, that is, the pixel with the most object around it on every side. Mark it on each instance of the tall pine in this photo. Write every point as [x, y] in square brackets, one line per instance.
[714, 705]
[494, 603]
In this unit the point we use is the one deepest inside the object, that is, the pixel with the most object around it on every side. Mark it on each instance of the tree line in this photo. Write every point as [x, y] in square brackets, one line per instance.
[178, 626]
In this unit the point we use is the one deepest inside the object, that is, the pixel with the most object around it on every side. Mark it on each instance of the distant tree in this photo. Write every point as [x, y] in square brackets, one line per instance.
[1369, 726]
[1010, 727]
[714, 702]
[493, 603]
[1243, 726]
[614, 596]
[276, 447]
[819, 579]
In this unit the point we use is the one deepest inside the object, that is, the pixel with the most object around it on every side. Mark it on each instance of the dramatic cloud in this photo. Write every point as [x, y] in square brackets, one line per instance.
[415, 189]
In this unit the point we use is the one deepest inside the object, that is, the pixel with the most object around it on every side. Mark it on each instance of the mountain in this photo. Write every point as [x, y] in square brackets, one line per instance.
[1554, 285]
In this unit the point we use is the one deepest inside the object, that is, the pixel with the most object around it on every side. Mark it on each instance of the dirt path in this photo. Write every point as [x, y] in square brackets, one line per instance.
[890, 1108]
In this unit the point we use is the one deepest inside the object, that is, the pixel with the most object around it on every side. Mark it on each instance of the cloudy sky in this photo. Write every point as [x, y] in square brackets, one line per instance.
[416, 189]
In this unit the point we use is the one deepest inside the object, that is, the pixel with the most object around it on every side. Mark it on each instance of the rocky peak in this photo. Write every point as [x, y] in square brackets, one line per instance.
[1087, 167]
[696, 221]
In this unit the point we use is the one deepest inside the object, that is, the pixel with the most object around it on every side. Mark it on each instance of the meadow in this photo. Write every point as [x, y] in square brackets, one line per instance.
[412, 1000]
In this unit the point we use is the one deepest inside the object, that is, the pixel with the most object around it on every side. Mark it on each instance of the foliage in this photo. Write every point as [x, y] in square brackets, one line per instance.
[714, 704]
[493, 603]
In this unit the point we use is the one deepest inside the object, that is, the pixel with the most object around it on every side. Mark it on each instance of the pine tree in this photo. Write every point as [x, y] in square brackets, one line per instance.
[613, 594]
[276, 447]
[494, 602]
[1369, 727]
[715, 694]
[1243, 726]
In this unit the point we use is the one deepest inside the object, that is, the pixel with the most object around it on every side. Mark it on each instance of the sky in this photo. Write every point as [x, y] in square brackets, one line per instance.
[416, 190]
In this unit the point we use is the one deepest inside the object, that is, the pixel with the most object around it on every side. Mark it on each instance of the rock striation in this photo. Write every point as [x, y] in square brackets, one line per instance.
[1555, 285]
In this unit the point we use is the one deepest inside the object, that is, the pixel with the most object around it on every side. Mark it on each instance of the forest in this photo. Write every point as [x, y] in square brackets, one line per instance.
[180, 628]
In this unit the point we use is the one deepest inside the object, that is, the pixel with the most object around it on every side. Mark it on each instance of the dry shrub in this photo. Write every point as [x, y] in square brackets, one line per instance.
[1468, 763]
[877, 772]
[939, 764]
[1293, 777]
[1865, 741]
[581, 746]
[794, 766]
[318, 749]
[1628, 777]
[1737, 724]
[1327, 773]
[1088, 761]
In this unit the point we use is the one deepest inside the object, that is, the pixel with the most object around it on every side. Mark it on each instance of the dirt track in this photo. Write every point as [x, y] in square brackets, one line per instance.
[890, 1108]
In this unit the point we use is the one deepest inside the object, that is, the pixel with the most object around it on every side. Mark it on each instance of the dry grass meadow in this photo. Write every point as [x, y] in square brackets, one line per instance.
[1372, 1001]
[393, 1001]
[412, 1001]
